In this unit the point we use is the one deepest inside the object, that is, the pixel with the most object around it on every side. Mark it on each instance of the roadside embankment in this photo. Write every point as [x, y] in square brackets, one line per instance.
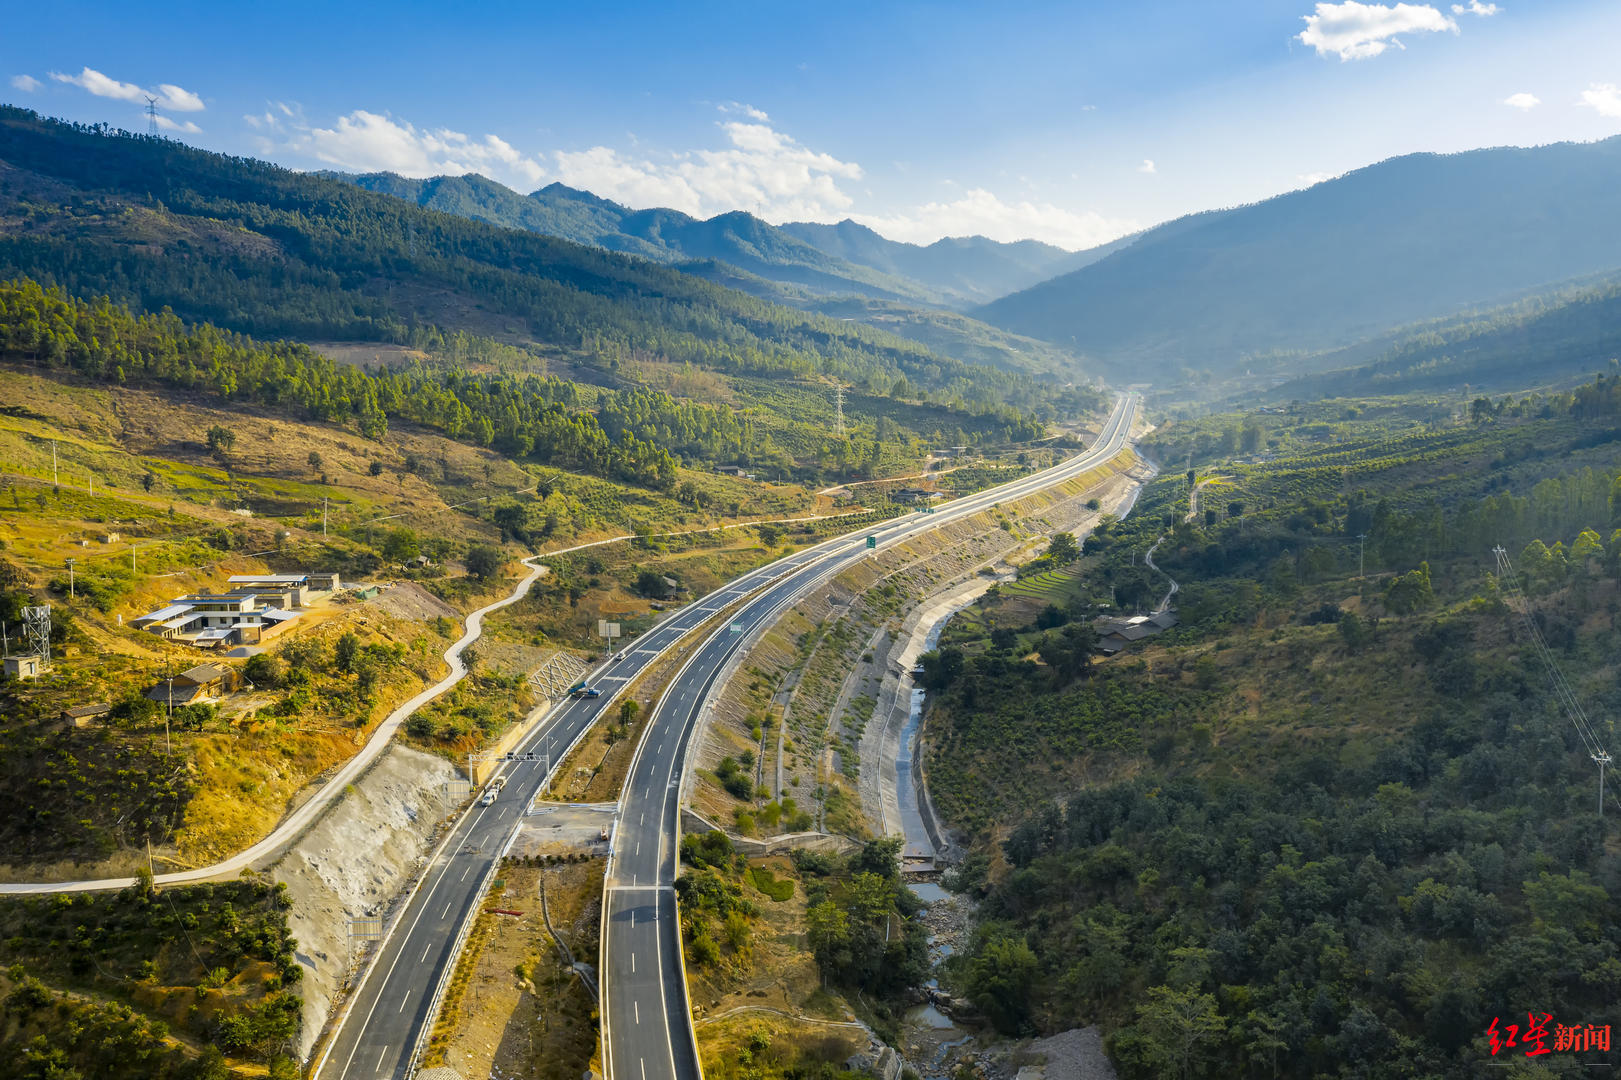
[797, 709]
[355, 863]
[881, 735]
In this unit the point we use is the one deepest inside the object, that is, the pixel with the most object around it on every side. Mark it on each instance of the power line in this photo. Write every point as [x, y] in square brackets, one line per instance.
[1585, 729]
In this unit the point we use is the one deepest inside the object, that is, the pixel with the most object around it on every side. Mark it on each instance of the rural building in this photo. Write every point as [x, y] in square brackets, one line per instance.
[24, 667]
[734, 470]
[1116, 634]
[915, 495]
[258, 606]
[205, 682]
[82, 715]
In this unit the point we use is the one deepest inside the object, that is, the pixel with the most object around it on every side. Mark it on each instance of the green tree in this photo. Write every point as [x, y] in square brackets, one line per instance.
[1002, 981]
[220, 440]
[401, 545]
[315, 462]
[264, 671]
[1062, 548]
[1410, 592]
[484, 561]
[512, 519]
[1183, 1028]
[346, 651]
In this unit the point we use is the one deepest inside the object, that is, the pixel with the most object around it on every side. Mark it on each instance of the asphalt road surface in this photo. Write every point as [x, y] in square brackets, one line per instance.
[645, 1030]
[388, 1011]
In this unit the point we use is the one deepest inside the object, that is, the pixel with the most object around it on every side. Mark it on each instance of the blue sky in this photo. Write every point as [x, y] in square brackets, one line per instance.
[1071, 123]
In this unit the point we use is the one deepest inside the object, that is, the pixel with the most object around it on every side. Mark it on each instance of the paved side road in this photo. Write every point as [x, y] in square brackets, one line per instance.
[295, 823]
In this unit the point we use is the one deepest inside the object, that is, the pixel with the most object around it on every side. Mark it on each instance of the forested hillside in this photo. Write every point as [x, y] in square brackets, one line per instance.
[262, 250]
[1334, 822]
[1411, 238]
[1564, 336]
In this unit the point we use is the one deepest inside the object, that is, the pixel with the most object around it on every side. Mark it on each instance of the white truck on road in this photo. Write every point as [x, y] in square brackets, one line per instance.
[492, 791]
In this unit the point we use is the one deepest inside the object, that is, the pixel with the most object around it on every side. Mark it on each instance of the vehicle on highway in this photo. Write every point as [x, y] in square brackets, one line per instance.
[493, 790]
[621, 654]
[584, 691]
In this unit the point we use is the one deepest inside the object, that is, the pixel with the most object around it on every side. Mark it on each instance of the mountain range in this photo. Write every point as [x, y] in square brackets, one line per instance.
[846, 258]
[1408, 239]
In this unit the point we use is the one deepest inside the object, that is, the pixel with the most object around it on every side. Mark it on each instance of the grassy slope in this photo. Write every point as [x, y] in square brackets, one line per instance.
[231, 780]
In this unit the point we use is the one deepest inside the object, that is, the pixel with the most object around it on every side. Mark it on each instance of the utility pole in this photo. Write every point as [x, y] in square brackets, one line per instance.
[168, 717]
[1361, 540]
[323, 515]
[53, 463]
[72, 595]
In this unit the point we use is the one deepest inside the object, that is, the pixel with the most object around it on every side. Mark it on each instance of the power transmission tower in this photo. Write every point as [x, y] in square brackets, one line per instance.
[1585, 730]
[151, 115]
[838, 409]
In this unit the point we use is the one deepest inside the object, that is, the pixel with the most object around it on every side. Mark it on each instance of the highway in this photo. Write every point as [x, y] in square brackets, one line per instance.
[646, 1034]
[386, 1016]
[388, 1011]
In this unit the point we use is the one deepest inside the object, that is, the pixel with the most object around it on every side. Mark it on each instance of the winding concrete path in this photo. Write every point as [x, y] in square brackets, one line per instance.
[294, 824]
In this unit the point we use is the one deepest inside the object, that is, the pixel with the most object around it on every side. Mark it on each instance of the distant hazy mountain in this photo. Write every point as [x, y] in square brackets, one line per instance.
[740, 239]
[971, 269]
[1408, 239]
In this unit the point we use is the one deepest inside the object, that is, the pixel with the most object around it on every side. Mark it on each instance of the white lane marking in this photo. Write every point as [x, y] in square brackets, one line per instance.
[644, 1067]
[636, 1005]
[380, 1058]
[403, 1000]
[469, 870]
[445, 912]
[638, 847]
[425, 949]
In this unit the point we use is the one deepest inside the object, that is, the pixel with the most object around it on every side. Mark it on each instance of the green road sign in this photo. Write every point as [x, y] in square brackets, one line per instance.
[872, 542]
[737, 628]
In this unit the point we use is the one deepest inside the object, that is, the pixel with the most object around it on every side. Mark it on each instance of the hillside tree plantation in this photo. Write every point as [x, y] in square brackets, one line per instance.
[1326, 826]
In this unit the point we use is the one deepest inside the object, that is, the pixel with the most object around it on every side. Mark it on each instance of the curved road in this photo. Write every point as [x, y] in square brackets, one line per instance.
[641, 941]
[302, 818]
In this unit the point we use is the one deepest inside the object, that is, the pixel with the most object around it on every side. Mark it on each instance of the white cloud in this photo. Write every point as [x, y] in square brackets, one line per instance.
[1475, 7]
[1356, 31]
[1522, 101]
[186, 127]
[1603, 97]
[763, 171]
[981, 213]
[747, 110]
[100, 85]
[371, 142]
[1147, 166]
[169, 96]
[26, 83]
[176, 99]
